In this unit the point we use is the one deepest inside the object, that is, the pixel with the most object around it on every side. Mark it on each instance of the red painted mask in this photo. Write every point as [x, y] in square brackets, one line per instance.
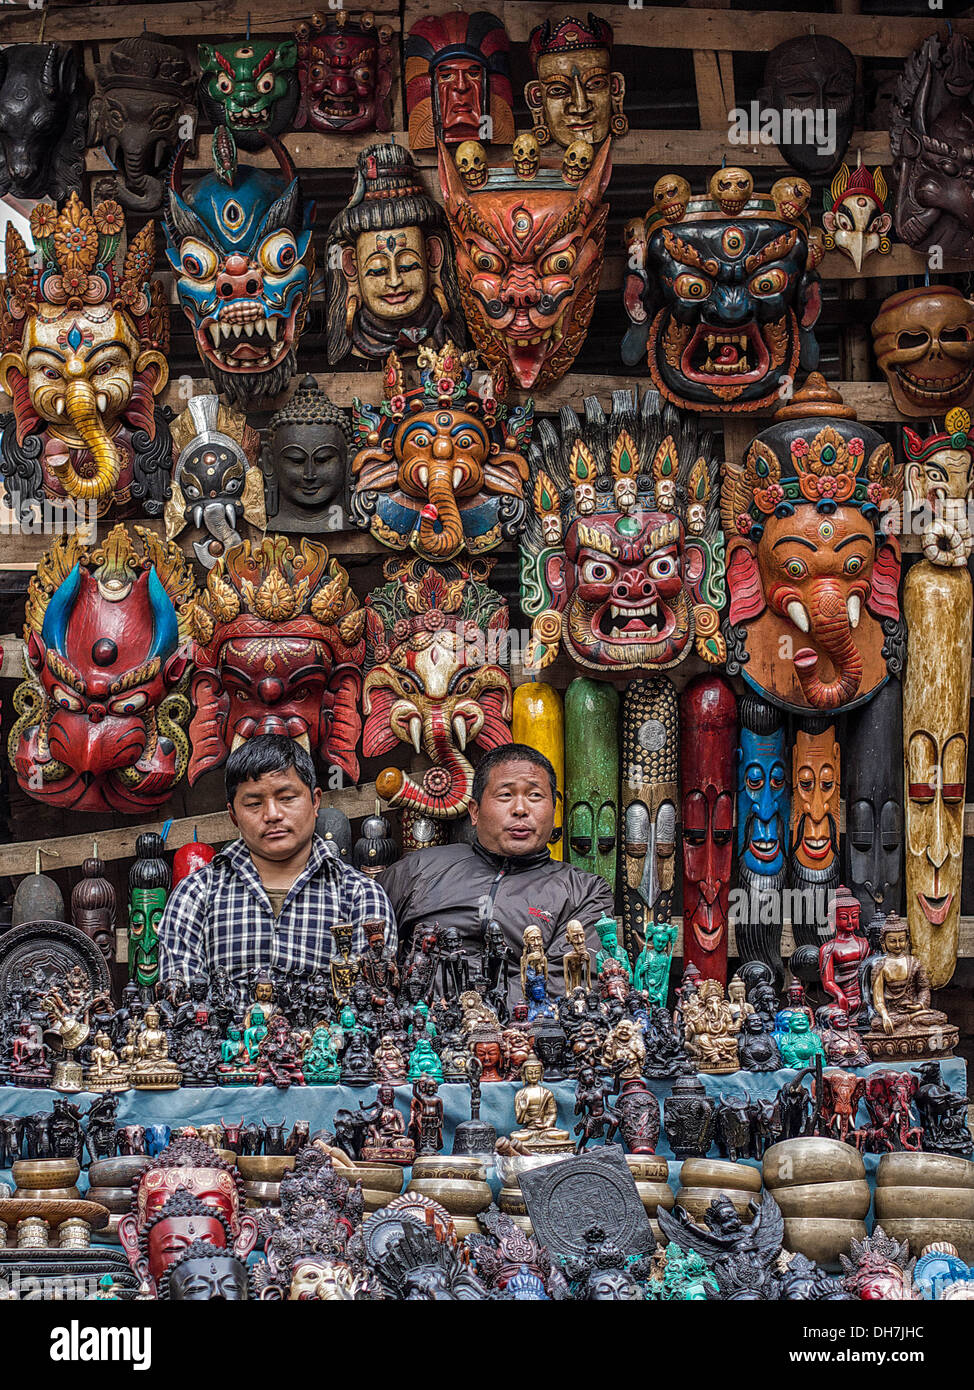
[280, 652]
[456, 76]
[345, 72]
[708, 736]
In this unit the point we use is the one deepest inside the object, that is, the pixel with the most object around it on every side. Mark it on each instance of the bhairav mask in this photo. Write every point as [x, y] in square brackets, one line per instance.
[250, 86]
[931, 136]
[43, 120]
[708, 735]
[84, 346]
[304, 459]
[433, 680]
[457, 82]
[650, 795]
[529, 255]
[102, 714]
[924, 343]
[240, 244]
[389, 263]
[810, 84]
[216, 483]
[280, 652]
[440, 470]
[732, 295]
[345, 72]
[621, 558]
[940, 486]
[145, 89]
[814, 616]
[574, 96]
[855, 219]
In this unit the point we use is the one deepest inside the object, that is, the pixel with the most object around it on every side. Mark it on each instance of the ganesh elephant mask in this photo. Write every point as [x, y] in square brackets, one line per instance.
[814, 616]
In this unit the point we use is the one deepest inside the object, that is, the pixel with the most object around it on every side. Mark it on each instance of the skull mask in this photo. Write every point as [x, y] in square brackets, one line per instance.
[471, 160]
[924, 343]
[526, 155]
[731, 188]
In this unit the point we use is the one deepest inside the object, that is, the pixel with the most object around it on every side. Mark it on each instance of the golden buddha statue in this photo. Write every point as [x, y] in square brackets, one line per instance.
[904, 1024]
[105, 1072]
[153, 1071]
[536, 1111]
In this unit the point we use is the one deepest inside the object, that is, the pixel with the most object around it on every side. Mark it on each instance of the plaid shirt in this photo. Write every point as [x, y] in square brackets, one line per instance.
[220, 915]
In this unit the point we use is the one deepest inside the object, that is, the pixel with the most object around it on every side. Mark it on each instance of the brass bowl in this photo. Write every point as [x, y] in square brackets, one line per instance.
[466, 1226]
[716, 1173]
[655, 1194]
[798, 1162]
[925, 1203]
[449, 1168]
[117, 1172]
[117, 1199]
[511, 1201]
[648, 1168]
[378, 1177]
[375, 1198]
[822, 1239]
[924, 1230]
[268, 1168]
[510, 1166]
[829, 1199]
[228, 1156]
[262, 1194]
[696, 1200]
[49, 1194]
[460, 1196]
[924, 1170]
[45, 1172]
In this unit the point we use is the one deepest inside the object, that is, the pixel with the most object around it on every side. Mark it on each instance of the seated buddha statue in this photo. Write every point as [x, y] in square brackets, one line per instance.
[903, 1023]
[153, 1071]
[105, 1072]
[536, 1111]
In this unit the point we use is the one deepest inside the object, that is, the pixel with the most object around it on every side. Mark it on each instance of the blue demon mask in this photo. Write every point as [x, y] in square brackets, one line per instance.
[762, 803]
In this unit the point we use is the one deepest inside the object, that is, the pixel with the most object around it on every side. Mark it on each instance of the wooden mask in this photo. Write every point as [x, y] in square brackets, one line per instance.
[708, 735]
[763, 831]
[43, 120]
[924, 343]
[574, 95]
[855, 218]
[592, 777]
[810, 83]
[650, 797]
[345, 73]
[874, 803]
[216, 483]
[940, 483]
[457, 82]
[814, 842]
[814, 618]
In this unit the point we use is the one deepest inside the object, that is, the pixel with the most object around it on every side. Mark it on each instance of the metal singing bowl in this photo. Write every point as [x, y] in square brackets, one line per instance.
[796, 1162]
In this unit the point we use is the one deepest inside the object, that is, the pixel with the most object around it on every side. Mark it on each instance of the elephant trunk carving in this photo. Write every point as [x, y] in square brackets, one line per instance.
[445, 543]
[832, 631]
[82, 410]
[445, 790]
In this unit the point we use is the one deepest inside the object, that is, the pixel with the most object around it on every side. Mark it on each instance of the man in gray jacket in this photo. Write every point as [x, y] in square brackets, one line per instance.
[507, 876]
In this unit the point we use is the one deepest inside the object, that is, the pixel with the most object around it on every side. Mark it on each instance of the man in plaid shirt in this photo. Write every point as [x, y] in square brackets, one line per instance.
[270, 899]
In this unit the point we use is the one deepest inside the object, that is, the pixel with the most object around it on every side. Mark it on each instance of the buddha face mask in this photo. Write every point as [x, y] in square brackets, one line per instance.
[924, 343]
[457, 82]
[102, 714]
[280, 652]
[251, 87]
[85, 344]
[814, 615]
[620, 558]
[732, 297]
[574, 96]
[440, 469]
[345, 73]
[304, 459]
[240, 245]
[529, 253]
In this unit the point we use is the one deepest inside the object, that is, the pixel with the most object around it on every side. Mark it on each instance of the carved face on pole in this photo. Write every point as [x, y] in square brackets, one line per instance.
[855, 219]
[650, 795]
[810, 82]
[216, 484]
[932, 140]
[708, 723]
[280, 651]
[620, 558]
[874, 802]
[814, 615]
[815, 806]
[763, 794]
[592, 777]
[457, 82]
[440, 470]
[240, 245]
[574, 96]
[251, 87]
[305, 461]
[145, 90]
[84, 352]
[43, 120]
[433, 680]
[345, 73]
[732, 295]
[924, 343]
[529, 255]
[102, 712]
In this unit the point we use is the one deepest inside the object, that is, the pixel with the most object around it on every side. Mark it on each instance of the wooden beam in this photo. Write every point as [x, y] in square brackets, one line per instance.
[223, 19]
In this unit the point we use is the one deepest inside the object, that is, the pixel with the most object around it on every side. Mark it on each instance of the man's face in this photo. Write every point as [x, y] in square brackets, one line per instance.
[275, 814]
[516, 814]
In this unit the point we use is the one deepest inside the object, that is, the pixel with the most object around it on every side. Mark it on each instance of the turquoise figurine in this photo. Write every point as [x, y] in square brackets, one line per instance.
[321, 1066]
[423, 1061]
[800, 1046]
[652, 973]
[608, 932]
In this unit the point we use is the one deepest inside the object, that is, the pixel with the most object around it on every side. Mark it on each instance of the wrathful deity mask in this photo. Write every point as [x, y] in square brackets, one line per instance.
[280, 652]
[457, 82]
[103, 711]
[345, 73]
[389, 263]
[439, 469]
[924, 343]
[240, 244]
[650, 792]
[855, 219]
[84, 347]
[940, 482]
[145, 91]
[529, 256]
[814, 616]
[931, 136]
[43, 120]
[216, 483]
[574, 96]
[708, 735]
[433, 681]
[304, 459]
[621, 557]
[810, 83]
[732, 297]
[251, 87]
[874, 802]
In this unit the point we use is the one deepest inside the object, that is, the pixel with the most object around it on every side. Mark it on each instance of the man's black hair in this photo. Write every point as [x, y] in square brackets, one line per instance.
[511, 753]
[267, 753]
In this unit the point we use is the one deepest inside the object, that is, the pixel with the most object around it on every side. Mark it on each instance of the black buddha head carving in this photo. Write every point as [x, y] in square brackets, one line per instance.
[304, 460]
[202, 1272]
